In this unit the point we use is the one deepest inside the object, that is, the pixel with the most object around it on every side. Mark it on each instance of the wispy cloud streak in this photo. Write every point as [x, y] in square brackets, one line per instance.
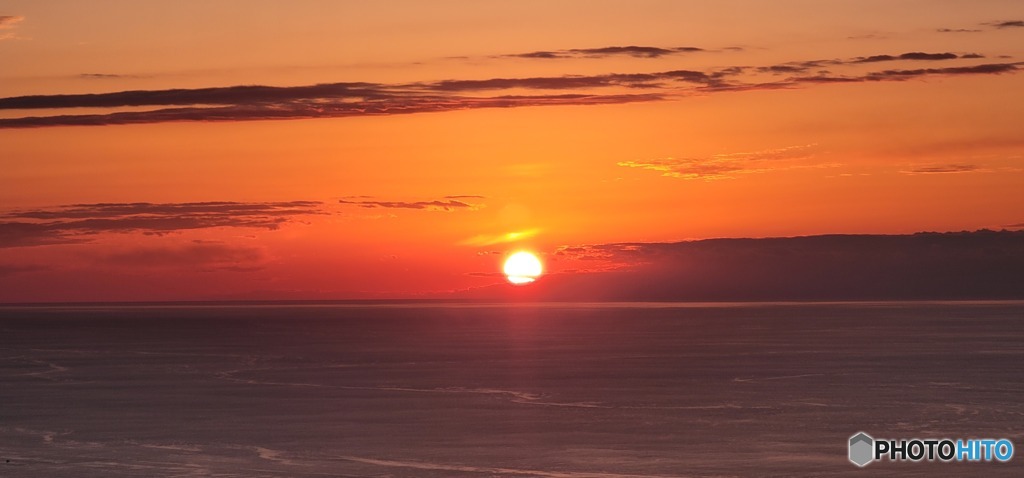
[608, 51]
[447, 204]
[323, 108]
[1007, 24]
[725, 166]
[9, 22]
[945, 169]
[804, 66]
[79, 222]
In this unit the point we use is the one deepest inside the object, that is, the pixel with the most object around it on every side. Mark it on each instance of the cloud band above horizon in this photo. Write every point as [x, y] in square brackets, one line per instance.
[333, 100]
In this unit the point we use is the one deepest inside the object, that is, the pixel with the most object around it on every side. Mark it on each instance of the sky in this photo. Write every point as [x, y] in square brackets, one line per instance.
[241, 150]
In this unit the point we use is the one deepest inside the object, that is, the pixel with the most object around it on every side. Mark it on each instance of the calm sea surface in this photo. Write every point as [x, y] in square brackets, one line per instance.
[563, 390]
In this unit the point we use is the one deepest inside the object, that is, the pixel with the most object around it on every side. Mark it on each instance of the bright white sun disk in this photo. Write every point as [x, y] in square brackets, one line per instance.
[522, 268]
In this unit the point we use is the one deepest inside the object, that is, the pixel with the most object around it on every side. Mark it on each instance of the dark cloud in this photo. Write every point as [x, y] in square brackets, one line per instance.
[230, 95]
[543, 83]
[827, 79]
[203, 256]
[1007, 24]
[241, 103]
[635, 51]
[335, 100]
[968, 265]
[944, 169]
[868, 36]
[338, 98]
[18, 234]
[104, 76]
[322, 108]
[874, 58]
[194, 209]
[987, 69]
[629, 80]
[787, 68]
[538, 54]
[917, 55]
[799, 66]
[448, 204]
[78, 222]
[804, 66]
[900, 75]
[603, 52]
[996, 25]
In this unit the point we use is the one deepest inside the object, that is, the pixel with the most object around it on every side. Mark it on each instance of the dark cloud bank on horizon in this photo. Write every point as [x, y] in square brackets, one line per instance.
[967, 265]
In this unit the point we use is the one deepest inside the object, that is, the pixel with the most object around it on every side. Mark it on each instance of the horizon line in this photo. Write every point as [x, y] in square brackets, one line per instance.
[407, 302]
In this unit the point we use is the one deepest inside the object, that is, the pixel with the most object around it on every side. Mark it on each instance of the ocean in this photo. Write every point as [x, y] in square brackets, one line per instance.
[487, 390]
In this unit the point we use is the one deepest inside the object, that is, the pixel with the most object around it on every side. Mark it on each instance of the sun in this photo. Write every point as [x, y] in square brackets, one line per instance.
[522, 268]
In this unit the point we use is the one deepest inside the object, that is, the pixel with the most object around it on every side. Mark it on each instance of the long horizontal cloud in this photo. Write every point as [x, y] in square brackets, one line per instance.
[214, 209]
[1007, 24]
[105, 76]
[944, 169]
[968, 265]
[197, 255]
[604, 52]
[991, 68]
[912, 56]
[364, 98]
[447, 204]
[803, 66]
[239, 103]
[78, 222]
[723, 166]
[997, 25]
[231, 95]
[628, 80]
[322, 108]
[900, 75]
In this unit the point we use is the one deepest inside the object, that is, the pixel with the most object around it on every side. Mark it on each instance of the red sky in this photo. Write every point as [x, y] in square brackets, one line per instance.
[336, 150]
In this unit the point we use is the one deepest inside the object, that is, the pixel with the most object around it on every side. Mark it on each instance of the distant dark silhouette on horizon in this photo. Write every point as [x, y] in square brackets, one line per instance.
[924, 266]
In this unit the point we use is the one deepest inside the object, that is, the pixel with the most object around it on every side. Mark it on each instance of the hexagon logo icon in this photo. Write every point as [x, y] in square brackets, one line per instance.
[861, 448]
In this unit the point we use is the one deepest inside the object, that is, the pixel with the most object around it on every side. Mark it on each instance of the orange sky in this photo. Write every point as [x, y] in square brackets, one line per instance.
[462, 131]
